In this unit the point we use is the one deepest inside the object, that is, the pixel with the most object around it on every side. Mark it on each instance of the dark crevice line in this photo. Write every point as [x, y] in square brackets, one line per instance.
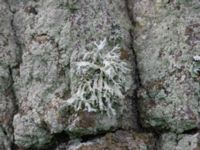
[10, 68]
[157, 133]
[64, 137]
[15, 105]
[14, 147]
[13, 91]
[2, 128]
[87, 138]
[137, 80]
[158, 141]
[191, 131]
[138, 85]
[19, 51]
[57, 140]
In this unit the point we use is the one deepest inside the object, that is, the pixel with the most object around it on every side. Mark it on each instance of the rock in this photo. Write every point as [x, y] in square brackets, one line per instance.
[5, 142]
[9, 51]
[93, 74]
[171, 141]
[30, 131]
[166, 39]
[120, 140]
[9, 57]
[49, 82]
[7, 105]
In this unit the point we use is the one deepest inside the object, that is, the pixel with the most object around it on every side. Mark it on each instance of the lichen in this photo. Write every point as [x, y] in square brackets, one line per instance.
[98, 80]
[195, 69]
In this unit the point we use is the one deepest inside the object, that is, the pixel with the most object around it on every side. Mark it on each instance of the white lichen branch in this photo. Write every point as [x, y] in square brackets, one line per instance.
[98, 80]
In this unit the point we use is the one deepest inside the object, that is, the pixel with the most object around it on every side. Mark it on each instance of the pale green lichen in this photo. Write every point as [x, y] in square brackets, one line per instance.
[98, 80]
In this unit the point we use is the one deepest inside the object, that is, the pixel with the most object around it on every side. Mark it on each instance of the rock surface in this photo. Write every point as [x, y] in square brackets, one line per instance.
[120, 140]
[171, 141]
[166, 39]
[50, 34]
[5, 142]
[90, 74]
[9, 57]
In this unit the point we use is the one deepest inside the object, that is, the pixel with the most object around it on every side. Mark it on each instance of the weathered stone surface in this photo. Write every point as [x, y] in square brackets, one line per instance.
[8, 59]
[7, 106]
[29, 132]
[121, 140]
[49, 32]
[68, 70]
[5, 142]
[171, 141]
[166, 39]
[9, 52]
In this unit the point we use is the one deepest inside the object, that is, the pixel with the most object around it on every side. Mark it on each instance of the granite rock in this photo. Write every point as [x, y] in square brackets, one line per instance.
[90, 74]
[171, 141]
[166, 37]
[120, 140]
[50, 32]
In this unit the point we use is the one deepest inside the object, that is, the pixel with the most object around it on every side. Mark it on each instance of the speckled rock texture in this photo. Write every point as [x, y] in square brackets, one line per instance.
[173, 141]
[46, 34]
[166, 37]
[9, 58]
[99, 74]
[120, 140]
